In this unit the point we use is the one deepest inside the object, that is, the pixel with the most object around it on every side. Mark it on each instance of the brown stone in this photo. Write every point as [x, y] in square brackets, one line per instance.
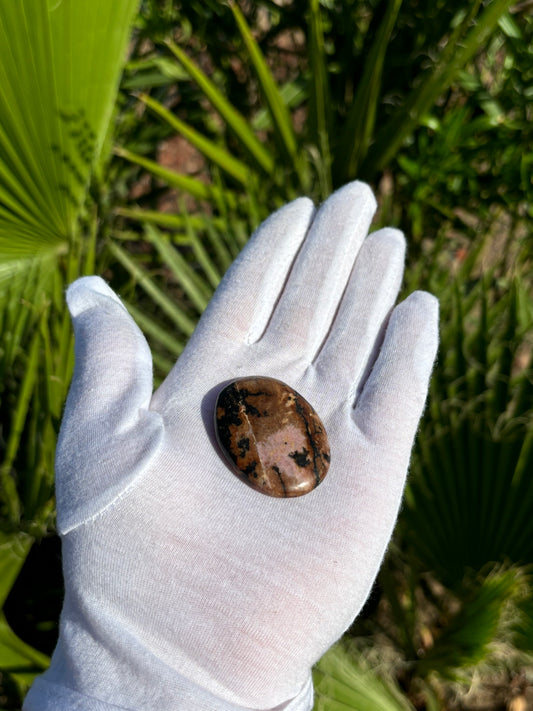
[271, 436]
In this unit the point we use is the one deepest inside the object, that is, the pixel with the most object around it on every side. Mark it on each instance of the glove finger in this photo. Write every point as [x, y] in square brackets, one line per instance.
[351, 346]
[113, 367]
[242, 306]
[391, 403]
[108, 398]
[321, 270]
[243, 303]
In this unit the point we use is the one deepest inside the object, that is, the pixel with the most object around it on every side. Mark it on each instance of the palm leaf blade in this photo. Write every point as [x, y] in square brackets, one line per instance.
[53, 119]
[278, 110]
[220, 156]
[231, 116]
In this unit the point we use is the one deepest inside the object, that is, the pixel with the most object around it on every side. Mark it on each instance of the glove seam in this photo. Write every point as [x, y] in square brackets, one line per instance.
[64, 531]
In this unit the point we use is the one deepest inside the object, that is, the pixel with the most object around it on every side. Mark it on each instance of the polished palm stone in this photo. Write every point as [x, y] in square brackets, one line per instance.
[272, 437]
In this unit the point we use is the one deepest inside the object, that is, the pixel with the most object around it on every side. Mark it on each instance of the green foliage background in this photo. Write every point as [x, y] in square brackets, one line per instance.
[145, 142]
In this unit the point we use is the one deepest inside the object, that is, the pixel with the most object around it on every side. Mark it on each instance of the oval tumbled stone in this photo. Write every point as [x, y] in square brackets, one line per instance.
[272, 437]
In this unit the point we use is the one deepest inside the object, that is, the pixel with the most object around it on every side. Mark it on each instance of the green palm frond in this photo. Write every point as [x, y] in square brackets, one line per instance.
[523, 624]
[60, 65]
[470, 636]
[345, 683]
[233, 118]
[359, 127]
[219, 156]
[181, 267]
[471, 30]
[470, 495]
[281, 118]
[192, 186]
[17, 659]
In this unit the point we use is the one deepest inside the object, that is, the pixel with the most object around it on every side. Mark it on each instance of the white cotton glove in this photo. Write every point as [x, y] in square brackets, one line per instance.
[185, 588]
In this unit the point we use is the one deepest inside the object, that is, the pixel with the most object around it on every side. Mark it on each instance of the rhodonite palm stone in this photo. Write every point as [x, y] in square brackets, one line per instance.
[272, 437]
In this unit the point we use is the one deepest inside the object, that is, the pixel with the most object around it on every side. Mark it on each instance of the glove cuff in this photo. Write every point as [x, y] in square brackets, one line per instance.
[45, 695]
[48, 695]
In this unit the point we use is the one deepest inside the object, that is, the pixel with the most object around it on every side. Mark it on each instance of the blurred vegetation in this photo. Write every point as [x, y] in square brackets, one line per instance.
[224, 112]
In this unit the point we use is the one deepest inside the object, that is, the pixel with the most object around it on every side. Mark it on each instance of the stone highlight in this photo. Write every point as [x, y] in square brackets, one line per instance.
[272, 438]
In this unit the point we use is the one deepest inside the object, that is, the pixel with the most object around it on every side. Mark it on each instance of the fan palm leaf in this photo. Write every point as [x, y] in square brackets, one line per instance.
[60, 66]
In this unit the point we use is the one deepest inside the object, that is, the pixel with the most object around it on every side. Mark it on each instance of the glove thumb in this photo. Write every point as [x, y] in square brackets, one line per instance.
[107, 434]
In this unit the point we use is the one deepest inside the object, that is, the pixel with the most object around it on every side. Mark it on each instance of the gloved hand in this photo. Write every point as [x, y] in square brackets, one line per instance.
[185, 588]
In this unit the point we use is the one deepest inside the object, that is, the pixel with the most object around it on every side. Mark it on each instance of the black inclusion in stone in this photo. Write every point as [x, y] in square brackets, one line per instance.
[244, 445]
[228, 403]
[250, 470]
[280, 476]
[310, 439]
[301, 458]
[245, 396]
[229, 400]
